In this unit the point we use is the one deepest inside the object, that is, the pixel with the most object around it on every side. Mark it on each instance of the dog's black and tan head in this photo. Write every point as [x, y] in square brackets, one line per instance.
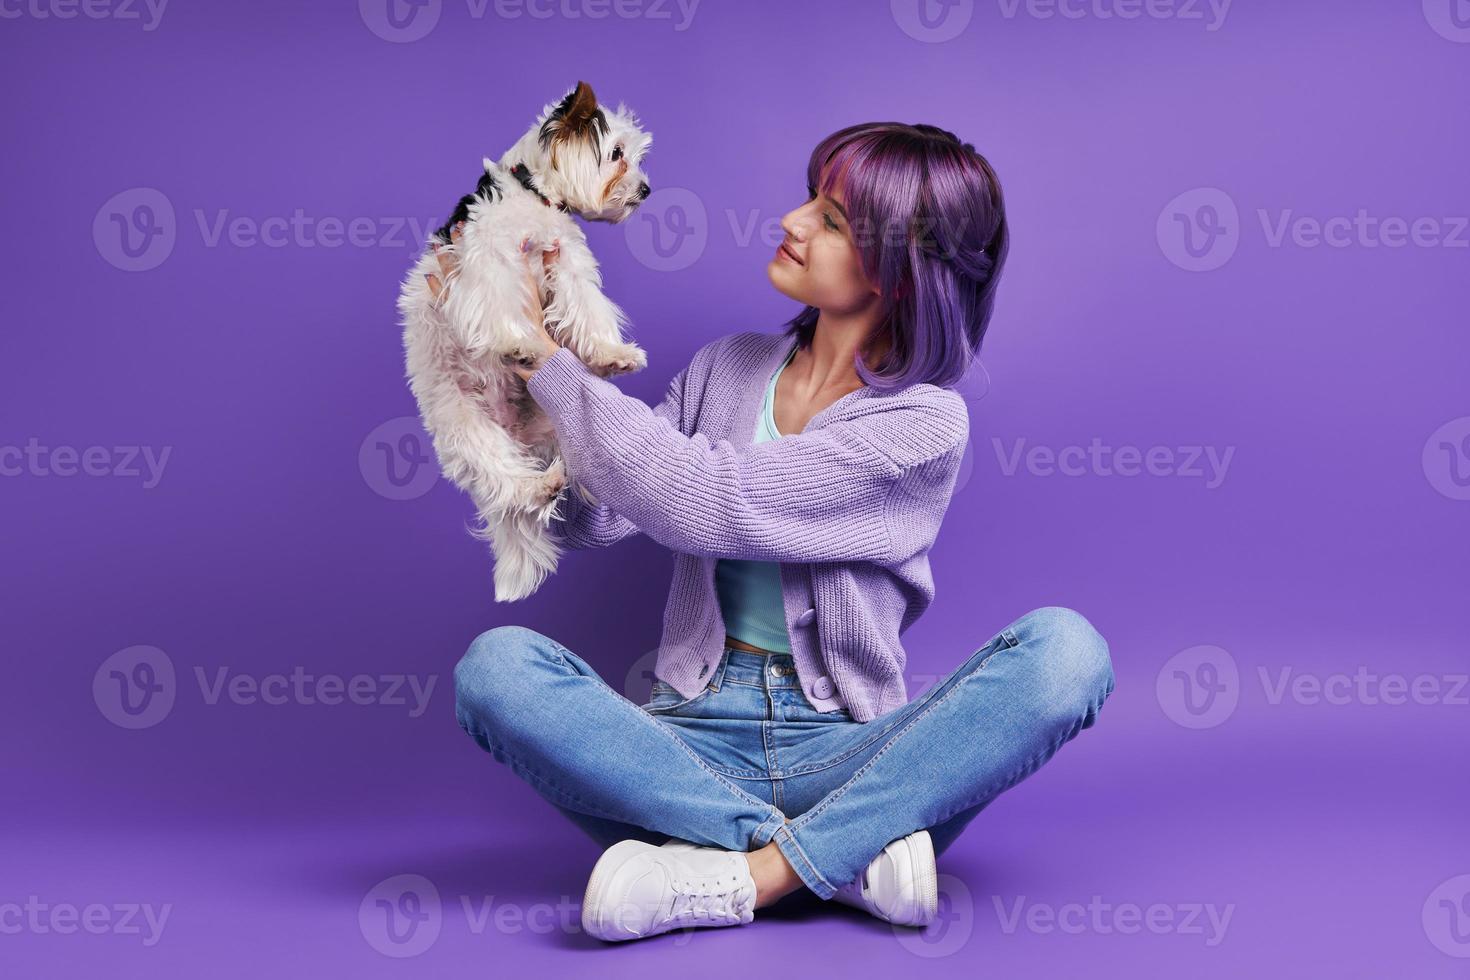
[578, 157]
[589, 157]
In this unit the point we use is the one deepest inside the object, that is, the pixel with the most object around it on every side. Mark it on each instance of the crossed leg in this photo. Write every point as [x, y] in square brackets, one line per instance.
[608, 765]
[993, 721]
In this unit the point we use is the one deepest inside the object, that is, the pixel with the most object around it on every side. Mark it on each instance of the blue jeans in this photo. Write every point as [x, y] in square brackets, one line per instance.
[748, 760]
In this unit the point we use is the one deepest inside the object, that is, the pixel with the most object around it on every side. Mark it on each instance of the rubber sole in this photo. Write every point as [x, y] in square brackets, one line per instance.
[921, 851]
[593, 898]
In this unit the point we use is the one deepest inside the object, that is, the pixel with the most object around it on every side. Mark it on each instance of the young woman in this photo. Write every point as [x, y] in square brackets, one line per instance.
[800, 480]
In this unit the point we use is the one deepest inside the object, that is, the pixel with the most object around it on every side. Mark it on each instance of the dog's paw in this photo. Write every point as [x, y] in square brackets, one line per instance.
[622, 359]
[545, 490]
[523, 356]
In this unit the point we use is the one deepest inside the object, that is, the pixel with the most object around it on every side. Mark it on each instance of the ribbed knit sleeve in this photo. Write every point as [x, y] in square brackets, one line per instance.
[855, 489]
[581, 524]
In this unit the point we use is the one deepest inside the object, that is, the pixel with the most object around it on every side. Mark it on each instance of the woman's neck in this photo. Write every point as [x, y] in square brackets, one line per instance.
[819, 375]
[829, 360]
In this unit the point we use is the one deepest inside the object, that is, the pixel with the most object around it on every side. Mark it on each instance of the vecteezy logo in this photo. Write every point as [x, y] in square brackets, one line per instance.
[1199, 230]
[400, 21]
[973, 387]
[135, 230]
[134, 688]
[932, 21]
[638, 684]
[967, 466]
[397, 460]
[1446, 916]
[951, 929]
[1449, 18]
[670, 230]
[1447, 459]
[401, 916]
[1199, 687]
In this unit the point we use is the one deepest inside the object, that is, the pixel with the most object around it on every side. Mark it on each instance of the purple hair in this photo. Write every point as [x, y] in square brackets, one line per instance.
[928, 219]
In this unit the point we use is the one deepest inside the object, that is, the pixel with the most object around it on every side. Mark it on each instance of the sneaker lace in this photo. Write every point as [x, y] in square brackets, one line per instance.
[708, 901]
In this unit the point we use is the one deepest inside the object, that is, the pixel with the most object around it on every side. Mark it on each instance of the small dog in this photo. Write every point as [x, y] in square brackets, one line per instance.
[491, 438]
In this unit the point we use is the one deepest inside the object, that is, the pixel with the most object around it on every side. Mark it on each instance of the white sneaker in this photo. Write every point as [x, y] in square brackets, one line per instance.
[900, 885]
[638, 889]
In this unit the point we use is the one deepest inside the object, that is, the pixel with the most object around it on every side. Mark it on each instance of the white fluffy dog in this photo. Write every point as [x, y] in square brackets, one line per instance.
[491, 438]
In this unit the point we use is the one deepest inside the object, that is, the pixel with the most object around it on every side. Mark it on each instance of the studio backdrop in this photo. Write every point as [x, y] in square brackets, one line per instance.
[1222, 410]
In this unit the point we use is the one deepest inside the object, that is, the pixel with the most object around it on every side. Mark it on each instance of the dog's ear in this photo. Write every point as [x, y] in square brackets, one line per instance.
[576, 116]
[581, 104]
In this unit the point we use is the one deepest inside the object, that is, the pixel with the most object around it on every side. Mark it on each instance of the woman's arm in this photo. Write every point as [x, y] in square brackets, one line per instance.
[873, 488]
[587, 525]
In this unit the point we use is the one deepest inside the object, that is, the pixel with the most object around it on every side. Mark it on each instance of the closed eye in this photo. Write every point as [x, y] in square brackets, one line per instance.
[811, 194]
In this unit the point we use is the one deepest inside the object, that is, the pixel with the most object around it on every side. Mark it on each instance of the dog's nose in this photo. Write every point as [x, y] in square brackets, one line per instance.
[643, 191]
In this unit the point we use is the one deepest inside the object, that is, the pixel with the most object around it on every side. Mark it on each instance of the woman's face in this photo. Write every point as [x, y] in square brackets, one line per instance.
[817, 262]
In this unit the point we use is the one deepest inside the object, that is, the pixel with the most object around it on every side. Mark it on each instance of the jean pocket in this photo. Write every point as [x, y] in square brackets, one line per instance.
[665, 698]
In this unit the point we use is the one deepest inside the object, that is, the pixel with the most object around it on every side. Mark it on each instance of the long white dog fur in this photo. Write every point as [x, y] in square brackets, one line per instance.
[491, 438]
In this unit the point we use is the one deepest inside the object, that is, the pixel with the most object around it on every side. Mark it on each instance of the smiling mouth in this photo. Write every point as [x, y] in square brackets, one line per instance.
[786, 250]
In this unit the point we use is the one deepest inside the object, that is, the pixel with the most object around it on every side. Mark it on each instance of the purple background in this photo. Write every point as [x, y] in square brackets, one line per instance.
[1334, 833]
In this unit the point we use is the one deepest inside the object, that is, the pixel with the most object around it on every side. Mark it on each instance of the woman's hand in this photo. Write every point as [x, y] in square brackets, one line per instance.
[543, 342]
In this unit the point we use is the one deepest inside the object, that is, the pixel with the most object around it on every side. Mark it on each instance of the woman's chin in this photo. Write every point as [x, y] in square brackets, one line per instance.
[776, 272]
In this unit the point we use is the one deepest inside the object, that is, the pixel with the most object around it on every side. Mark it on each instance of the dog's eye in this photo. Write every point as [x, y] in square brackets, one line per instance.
[617, 153]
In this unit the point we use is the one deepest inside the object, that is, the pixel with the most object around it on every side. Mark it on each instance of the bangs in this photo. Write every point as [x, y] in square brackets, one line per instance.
[880, 181]
[927, 221]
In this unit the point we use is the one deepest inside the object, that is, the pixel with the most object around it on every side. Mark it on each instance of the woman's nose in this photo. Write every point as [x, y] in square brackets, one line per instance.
[792, 225]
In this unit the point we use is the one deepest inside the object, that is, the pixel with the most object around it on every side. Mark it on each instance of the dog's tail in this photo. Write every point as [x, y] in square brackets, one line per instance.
[524, 555]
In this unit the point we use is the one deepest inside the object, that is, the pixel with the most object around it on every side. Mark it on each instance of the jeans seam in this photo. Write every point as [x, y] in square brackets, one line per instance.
[778, 791]
[711, 687]
[500, 751]
[840, 791]
[812, 767]
[1005, 635]
[758, 687]
[785, 833]
[1030, 765]
[651, 709]
[778, 818]
[568, 800]
[734, 790]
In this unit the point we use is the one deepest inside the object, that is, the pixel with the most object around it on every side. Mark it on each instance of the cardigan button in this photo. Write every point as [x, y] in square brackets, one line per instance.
[805, 619]
[823, 687]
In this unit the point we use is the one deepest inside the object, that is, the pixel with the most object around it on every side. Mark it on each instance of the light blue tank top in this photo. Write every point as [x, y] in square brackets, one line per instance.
[750, 591]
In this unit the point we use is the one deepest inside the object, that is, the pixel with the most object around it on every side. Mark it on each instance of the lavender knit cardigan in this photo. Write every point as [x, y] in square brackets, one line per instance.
[849, 506]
